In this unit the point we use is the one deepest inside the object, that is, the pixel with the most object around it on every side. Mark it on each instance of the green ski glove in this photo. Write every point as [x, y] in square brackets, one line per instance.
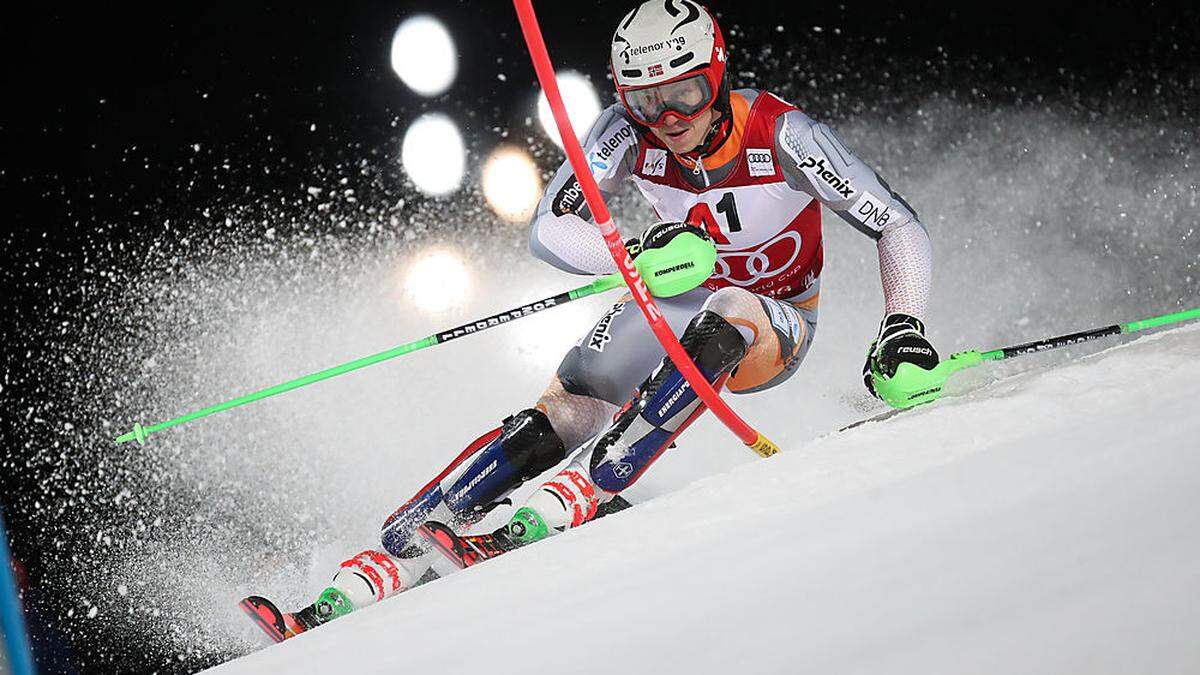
[901, 340]
[675, 258]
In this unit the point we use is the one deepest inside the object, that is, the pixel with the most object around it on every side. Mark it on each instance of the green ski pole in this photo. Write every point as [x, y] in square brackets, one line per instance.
[600, 285]
[912, 385]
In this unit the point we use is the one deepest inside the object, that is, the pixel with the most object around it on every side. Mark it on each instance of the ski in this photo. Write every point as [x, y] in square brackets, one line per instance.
[465, 550]
[471, 549]
[885, 415]
[278, 625]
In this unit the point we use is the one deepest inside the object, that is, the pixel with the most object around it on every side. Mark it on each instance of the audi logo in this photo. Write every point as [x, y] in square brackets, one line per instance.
[757, 261]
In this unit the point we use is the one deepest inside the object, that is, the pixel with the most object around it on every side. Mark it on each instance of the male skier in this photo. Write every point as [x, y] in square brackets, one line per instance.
[741, 168]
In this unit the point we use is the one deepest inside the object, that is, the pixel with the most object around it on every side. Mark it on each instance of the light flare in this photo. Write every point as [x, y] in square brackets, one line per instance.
[433, 154]
[423, 55]
[511, 184]
[579, 96]
[437, 281]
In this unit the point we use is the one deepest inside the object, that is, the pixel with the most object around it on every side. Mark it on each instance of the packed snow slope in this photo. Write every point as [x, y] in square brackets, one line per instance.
[1044, 523]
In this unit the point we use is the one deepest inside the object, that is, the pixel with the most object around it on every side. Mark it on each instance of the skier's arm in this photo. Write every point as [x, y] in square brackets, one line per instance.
[562, 231]
[816, 161]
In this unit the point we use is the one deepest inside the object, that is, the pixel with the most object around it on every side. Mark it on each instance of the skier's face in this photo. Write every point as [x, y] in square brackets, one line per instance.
[680, 136]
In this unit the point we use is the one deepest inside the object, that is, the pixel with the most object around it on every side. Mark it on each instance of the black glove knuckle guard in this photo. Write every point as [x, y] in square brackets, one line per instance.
[901, 339]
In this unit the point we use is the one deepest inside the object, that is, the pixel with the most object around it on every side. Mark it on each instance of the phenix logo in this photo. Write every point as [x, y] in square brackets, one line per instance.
[816, 166]
[601, 336]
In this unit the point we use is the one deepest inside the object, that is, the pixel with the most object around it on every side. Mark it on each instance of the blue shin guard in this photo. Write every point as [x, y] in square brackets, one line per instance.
[495, 465]
[665, 405]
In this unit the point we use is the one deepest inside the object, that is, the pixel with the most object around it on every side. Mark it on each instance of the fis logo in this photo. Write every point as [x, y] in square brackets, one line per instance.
[655, 162]
[815, 166]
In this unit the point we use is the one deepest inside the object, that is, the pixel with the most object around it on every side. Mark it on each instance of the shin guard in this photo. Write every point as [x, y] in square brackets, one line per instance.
[664, 406]
[490, 468]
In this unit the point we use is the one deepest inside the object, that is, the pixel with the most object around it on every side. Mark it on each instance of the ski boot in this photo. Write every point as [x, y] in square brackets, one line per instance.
[524, 528]
[280, 626]
[464, 551]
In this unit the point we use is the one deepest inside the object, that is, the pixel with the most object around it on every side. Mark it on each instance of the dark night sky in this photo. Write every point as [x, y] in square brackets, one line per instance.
[87, 86]
[104, 106]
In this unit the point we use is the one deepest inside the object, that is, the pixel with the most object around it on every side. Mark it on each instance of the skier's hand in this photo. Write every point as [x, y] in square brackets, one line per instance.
[901, 339]
[658, 235]
[652, 233]
[675, 258]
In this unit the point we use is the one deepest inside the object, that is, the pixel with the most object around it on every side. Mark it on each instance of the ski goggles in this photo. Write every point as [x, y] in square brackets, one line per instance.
[686, 98]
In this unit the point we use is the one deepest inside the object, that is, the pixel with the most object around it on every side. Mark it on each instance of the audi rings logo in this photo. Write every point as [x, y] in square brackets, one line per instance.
[756, 262]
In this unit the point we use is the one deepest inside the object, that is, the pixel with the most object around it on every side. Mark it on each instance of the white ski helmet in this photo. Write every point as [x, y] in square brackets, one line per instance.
[669, 56]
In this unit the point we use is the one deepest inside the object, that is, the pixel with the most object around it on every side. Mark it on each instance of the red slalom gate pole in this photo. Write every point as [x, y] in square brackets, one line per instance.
[757, 442]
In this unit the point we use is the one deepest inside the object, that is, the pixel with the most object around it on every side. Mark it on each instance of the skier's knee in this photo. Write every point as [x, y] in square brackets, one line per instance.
[589, 373]
[575, 417]
[715, 344]
[527, 446]
[742, 309]
[531, 443]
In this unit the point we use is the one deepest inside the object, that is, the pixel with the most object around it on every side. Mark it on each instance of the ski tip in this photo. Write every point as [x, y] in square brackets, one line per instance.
[266, 615]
